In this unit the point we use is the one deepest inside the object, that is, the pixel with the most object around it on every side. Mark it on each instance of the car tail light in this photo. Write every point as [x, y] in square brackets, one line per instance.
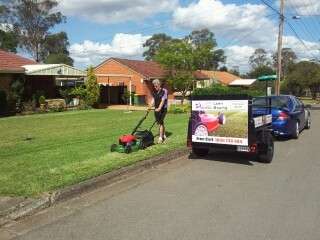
[283, 116]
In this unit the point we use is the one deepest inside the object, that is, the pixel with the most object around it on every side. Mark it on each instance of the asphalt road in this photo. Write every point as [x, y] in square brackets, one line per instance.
[225, 196]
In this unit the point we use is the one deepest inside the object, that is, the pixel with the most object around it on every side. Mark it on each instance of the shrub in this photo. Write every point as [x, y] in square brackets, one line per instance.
[179, 108]
[42, 100]
[220, 89]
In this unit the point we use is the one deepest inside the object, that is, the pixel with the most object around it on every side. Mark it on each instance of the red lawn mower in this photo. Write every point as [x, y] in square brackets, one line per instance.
[136, 140]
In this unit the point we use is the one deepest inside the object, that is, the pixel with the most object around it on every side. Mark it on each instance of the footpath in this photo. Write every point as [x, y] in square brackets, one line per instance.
[14, 208]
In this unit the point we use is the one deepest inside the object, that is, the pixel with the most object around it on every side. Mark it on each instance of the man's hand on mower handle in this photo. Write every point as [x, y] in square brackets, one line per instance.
[152, 109]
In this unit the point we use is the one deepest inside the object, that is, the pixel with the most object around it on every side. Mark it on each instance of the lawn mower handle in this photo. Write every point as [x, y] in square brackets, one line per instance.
[142, 119]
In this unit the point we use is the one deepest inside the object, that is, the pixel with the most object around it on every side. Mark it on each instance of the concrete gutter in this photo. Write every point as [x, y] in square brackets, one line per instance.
[17, 208]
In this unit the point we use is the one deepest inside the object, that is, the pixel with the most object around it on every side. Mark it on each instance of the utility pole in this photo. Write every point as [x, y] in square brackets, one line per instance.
[279, 55]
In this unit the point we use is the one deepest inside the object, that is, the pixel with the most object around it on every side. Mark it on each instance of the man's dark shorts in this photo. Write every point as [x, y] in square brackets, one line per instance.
[159, 116]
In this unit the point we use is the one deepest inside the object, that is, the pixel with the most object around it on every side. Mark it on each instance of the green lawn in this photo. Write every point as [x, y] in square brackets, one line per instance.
[41, 153]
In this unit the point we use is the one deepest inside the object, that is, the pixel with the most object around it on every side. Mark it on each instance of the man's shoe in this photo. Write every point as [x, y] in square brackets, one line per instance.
[160, 141]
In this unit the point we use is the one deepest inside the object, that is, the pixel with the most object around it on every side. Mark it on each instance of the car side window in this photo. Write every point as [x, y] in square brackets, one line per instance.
[297, 103]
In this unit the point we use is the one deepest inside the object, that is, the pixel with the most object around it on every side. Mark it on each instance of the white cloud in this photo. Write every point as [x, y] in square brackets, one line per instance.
[123, 45]
[239, 28]
[116, 11]
[305, 7]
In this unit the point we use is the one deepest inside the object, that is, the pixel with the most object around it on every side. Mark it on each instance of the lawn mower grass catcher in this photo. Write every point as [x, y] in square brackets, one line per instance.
[136, 140]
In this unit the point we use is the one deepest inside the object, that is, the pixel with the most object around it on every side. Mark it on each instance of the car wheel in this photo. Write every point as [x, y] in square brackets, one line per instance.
[200, 130]
[200, 152]
[267, 149]
[222, 118]
[296, 132]
[308, 125]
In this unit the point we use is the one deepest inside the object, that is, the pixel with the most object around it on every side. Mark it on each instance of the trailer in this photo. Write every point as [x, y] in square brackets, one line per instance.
[226, 122]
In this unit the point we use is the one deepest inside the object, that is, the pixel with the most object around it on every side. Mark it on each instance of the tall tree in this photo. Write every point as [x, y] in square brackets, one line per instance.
[92, 87]
[8, 42]
[288, 58]
[203, 40]
[179, 60]
[31, 21]
[261, 71]
[153, 43]
[55, 43]
[55, 49]
[259, 58]
[59, 58]
[304, 75]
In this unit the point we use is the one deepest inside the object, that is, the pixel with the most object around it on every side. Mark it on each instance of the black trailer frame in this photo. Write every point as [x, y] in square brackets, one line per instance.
[260, 139]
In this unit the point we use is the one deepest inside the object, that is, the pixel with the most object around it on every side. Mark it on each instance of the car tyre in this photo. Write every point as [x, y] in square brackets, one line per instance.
[308, 125]
[296, 132]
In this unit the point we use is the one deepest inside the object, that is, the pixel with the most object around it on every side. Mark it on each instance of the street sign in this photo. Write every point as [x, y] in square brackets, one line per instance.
[267, 78]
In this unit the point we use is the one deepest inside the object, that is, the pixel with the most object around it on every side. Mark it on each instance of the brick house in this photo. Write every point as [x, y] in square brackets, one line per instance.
[39, 79]
[135, 75]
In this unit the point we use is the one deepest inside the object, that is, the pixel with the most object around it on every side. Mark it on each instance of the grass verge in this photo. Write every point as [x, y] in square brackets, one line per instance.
[44, 152]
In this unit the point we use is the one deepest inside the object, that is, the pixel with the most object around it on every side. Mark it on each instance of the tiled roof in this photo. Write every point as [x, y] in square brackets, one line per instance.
[149, 69]
[10, 62]
[223, 77]
[146, 68]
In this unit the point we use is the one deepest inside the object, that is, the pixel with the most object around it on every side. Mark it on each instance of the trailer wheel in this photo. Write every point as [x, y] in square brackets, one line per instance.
[127, 149]
[113, 148]
[266, 149]
[200, 152]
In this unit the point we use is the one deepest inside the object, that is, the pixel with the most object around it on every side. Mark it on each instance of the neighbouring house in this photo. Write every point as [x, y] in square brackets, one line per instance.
[134, 75]
[224, 78]
[39, 79]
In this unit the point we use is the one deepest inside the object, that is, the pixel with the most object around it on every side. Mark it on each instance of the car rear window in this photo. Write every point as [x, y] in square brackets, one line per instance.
[278, 102]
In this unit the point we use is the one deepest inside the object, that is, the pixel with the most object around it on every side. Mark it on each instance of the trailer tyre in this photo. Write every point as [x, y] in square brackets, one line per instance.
[267, 149]
[200, 152]
[113, 148]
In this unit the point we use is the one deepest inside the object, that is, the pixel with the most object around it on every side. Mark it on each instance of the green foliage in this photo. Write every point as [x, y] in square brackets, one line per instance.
[126, 96]
[31, 21]
[154, 43]
[220, 89]
[42, 99]
[79, 91]
[59, 58]
[304, 75]
[8, 42]
[34, 101]
[18, 89]
[93, 88]
[65, 94]
[179, 108]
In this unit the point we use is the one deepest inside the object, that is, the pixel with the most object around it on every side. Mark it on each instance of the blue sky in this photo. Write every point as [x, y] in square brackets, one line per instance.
[98, 30]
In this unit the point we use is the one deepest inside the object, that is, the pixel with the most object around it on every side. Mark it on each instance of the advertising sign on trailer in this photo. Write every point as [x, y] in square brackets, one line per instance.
[220, 121]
